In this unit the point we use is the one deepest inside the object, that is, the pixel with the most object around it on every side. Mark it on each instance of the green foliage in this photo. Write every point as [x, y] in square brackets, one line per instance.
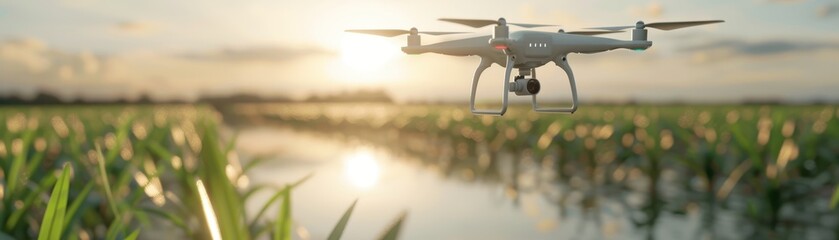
[227, 204]
[392, 232]
[275, 198]
[133, 167]
[53, 222]
[133, 235]
[282, 227]
[338, 230]
[104, 178]
[136, 166]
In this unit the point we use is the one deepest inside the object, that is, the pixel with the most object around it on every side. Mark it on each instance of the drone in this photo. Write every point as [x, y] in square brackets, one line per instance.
[526, 51]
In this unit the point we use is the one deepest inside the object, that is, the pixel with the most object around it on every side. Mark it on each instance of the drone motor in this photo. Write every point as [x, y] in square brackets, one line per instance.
[414, 38]
[639, 33]
[500, 38]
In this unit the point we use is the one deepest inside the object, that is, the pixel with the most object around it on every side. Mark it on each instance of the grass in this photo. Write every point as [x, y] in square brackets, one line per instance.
[126, 173]
[342, 224]
[53, 222]
[130, 172]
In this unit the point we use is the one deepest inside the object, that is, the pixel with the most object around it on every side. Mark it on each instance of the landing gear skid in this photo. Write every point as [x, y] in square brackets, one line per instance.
[485, 63]
[561, 62]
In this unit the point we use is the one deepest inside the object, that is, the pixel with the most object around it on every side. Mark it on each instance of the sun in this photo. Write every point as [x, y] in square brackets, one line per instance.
[362, 169]
[366, 54]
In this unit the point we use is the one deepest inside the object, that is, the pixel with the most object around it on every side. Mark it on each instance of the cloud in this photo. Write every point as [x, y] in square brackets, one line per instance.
[826, 10]
[258, 54]
[137, 28]
[28, 65]
[727, 48]
[26, 53]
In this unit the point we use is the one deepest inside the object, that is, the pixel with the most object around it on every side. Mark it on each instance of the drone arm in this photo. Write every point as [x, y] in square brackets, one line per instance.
[486, 63]
[562, 63]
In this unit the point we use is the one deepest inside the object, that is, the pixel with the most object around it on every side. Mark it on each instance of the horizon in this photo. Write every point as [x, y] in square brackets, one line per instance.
[379, 96]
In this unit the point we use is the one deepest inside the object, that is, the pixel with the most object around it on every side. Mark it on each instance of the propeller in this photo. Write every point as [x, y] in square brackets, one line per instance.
[661, 25]
[590, 33]
[477, 23]
[396, 32]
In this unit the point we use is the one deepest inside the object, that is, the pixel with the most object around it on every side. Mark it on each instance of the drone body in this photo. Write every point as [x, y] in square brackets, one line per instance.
[526, 51]
[530, 48]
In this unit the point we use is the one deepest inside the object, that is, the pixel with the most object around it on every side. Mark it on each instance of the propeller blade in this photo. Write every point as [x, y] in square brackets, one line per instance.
[676, 25]
[615, 28]
[663, 25]
[591, 32]
[531, 25]
[394, 32]
[380, 32]
[477, 23]
[440, 33]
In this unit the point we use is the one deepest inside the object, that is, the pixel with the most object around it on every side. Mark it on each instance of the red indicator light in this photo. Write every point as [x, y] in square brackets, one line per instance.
[501, 47]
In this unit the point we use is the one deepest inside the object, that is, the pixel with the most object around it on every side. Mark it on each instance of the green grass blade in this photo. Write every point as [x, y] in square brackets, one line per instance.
[121, 138]
[342, 224]
[74, 207]
[156, 149]
[302, 180]
[393, 232]
[747, 145]
[265, 206]
[282, 227]
[53, 222]
[222, 192]
[172, 217]
[254, 163]
[209, 213]
[29, 201]
[133, 235]
[232, 144]
[114, 230]
[260, 229]
[254, 189]
[17, 165]
[34, 162]
[274, 198]
[107, 185]
[835, 199]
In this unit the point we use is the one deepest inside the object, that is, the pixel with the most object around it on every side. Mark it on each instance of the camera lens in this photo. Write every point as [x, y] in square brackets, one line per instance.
[533, 86]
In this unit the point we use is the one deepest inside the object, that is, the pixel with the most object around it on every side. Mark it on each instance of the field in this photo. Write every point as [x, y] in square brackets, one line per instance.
[129, 172]
[155, 171]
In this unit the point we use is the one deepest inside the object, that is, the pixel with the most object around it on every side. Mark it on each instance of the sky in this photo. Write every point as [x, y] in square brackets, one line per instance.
[167, 50]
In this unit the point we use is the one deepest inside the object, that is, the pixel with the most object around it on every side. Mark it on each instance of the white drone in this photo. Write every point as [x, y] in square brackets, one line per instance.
[527, 50]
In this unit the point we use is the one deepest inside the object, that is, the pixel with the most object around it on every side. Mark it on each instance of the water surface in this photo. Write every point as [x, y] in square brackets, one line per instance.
[458, 203]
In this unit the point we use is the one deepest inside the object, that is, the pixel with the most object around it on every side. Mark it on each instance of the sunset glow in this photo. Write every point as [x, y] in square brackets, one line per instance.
[362, 169]
[367, 54]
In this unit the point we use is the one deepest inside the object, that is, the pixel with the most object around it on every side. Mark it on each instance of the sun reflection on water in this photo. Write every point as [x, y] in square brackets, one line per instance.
[362, 169]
